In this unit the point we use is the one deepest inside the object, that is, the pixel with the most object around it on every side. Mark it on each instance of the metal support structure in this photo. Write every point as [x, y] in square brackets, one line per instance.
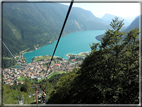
[36, 86]
[36, 98]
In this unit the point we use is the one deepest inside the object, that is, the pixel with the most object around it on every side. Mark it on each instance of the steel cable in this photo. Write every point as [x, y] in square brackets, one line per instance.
[59, 39]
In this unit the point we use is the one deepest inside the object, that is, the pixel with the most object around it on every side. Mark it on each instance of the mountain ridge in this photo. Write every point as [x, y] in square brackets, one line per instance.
[108, 17]
[134, 24]
[28, 24]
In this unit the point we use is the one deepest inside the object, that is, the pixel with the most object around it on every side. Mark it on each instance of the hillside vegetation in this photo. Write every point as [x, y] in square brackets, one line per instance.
[109, 75]
[13, 94]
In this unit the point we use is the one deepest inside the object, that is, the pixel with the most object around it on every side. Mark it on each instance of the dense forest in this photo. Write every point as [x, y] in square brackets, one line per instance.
[109, 75]
[8, 62]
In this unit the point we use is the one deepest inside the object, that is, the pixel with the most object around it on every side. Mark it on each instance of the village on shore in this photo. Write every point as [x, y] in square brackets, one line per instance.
[38, 67]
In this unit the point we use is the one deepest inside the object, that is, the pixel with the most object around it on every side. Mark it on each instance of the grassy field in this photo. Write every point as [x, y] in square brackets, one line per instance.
[58, 72]
[22, 78]
[82, 55]
[41, 58]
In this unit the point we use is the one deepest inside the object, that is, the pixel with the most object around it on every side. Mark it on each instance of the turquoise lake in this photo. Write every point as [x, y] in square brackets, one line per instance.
[73, 43]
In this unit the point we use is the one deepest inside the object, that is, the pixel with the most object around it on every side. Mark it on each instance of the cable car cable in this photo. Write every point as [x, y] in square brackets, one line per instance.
[61, 33]
[17, 63]
[9, 51]
[59, 38]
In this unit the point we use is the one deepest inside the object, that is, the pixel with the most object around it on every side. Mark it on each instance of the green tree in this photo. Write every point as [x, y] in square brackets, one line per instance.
[9, 95]
[8, 62]
[109, 75]
[61, 92]
[26, 87]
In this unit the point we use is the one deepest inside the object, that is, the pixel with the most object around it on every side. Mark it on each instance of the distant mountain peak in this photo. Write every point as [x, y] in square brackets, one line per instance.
[108, 16]
[135, 23]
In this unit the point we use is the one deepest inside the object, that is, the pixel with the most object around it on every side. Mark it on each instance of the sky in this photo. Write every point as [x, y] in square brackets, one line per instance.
[119, 9]
[100, 9]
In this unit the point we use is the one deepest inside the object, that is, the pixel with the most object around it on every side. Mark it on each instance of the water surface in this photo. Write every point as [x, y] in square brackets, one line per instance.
[73, 43]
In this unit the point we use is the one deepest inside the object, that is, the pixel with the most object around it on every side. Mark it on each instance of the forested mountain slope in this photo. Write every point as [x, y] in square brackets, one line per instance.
[134, 24]
[26, 25]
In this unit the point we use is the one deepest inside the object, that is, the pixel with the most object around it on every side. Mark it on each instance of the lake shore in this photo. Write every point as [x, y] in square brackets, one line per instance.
[38, 58]
[70, 44]
[80, 54]
[50, 42]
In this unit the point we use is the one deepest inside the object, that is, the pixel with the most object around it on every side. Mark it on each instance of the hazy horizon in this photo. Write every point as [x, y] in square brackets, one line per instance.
[100, 9]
